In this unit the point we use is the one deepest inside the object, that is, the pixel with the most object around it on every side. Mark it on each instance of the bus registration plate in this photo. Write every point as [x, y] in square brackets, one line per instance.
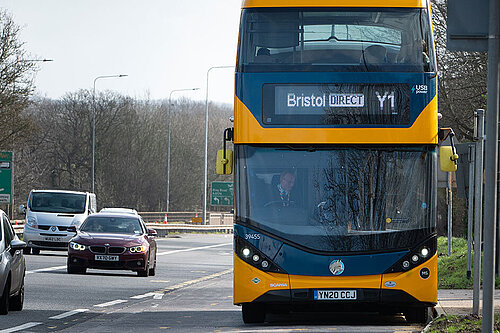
[334, 295]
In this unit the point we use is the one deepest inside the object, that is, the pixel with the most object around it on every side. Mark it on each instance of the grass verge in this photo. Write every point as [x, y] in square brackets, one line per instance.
[452, 270]
[462, 324]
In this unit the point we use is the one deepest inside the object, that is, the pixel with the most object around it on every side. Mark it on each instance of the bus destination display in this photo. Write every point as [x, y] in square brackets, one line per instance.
[336, 104]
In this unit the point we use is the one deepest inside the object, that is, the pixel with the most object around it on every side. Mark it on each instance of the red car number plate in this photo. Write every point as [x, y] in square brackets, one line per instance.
[106, 258]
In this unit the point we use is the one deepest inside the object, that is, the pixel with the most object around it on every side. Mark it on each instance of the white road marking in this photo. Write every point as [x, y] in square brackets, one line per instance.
[103, 305]
[48, 269]
[192, 249]
[188, 283]
[143, 296]
[20, 327]
[69, 313]
[158, 296]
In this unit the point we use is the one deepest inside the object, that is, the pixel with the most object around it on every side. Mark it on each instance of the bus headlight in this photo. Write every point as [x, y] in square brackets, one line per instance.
[251, 255]
[416, 256]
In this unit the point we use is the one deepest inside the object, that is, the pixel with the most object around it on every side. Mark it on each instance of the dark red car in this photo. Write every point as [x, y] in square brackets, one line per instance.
[113, 241]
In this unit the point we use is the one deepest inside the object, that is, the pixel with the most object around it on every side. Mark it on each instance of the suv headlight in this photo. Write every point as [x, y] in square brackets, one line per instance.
[76, 246]
[137, 249]
[31, 222]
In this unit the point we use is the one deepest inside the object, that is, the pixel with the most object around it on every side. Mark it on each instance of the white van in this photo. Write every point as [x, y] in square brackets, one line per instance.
[49, 213]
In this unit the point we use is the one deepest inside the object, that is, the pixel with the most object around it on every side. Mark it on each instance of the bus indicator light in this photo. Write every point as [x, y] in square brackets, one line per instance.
[406, 264]
[415, 258]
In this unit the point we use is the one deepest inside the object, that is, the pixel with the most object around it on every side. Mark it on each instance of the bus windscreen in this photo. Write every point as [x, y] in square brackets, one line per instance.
[338, 199]
[336, 39]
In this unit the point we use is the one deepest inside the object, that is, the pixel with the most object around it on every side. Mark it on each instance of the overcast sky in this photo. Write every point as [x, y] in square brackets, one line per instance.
[161, 44]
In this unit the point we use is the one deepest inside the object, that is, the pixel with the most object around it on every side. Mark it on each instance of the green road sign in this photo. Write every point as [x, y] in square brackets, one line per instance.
[222, 194]
[5, 177]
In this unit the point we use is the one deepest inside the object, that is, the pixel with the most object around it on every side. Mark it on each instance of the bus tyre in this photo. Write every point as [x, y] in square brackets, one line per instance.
[417, 315]
[253, 313]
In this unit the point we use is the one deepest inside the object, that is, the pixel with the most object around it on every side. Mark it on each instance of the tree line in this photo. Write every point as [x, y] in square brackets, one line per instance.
[130, 149]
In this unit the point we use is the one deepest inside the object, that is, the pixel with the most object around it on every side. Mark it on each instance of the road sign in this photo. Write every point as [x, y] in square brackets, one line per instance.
[5, 177]
[222, 194]
[467, 25]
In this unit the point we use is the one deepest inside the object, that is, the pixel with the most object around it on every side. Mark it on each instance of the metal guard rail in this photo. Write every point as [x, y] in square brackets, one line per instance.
[177, 227]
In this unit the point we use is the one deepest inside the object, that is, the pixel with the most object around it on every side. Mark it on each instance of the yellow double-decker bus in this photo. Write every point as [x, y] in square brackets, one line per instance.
[335, 157]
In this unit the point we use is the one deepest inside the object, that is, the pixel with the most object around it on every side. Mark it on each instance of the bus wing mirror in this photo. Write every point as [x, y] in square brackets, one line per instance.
[22, 209]
[224, 162]
[448, 158]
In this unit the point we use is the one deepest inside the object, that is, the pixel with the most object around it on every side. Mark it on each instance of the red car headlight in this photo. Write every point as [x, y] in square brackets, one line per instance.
[137, 249]
[76, 246]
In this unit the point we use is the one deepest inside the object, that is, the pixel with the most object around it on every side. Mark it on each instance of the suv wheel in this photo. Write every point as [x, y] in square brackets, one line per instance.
[4, 299]
[17, 302]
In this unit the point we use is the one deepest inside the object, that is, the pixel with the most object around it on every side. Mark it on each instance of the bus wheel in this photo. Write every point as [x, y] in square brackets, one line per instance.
[253, 313]
[417, 315]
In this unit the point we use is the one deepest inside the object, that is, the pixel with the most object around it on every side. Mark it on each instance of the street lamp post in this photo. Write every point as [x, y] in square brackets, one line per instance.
[93, 123]
[168, 144]
[206, 147]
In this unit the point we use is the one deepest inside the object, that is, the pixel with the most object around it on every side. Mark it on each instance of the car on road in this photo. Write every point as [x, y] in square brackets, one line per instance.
[49, 213]
[12, 268]
[113, 241]
[119, 210]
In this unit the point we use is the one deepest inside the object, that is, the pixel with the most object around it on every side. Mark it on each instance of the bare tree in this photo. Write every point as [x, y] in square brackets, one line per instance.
[462, 79]
[16, 84]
